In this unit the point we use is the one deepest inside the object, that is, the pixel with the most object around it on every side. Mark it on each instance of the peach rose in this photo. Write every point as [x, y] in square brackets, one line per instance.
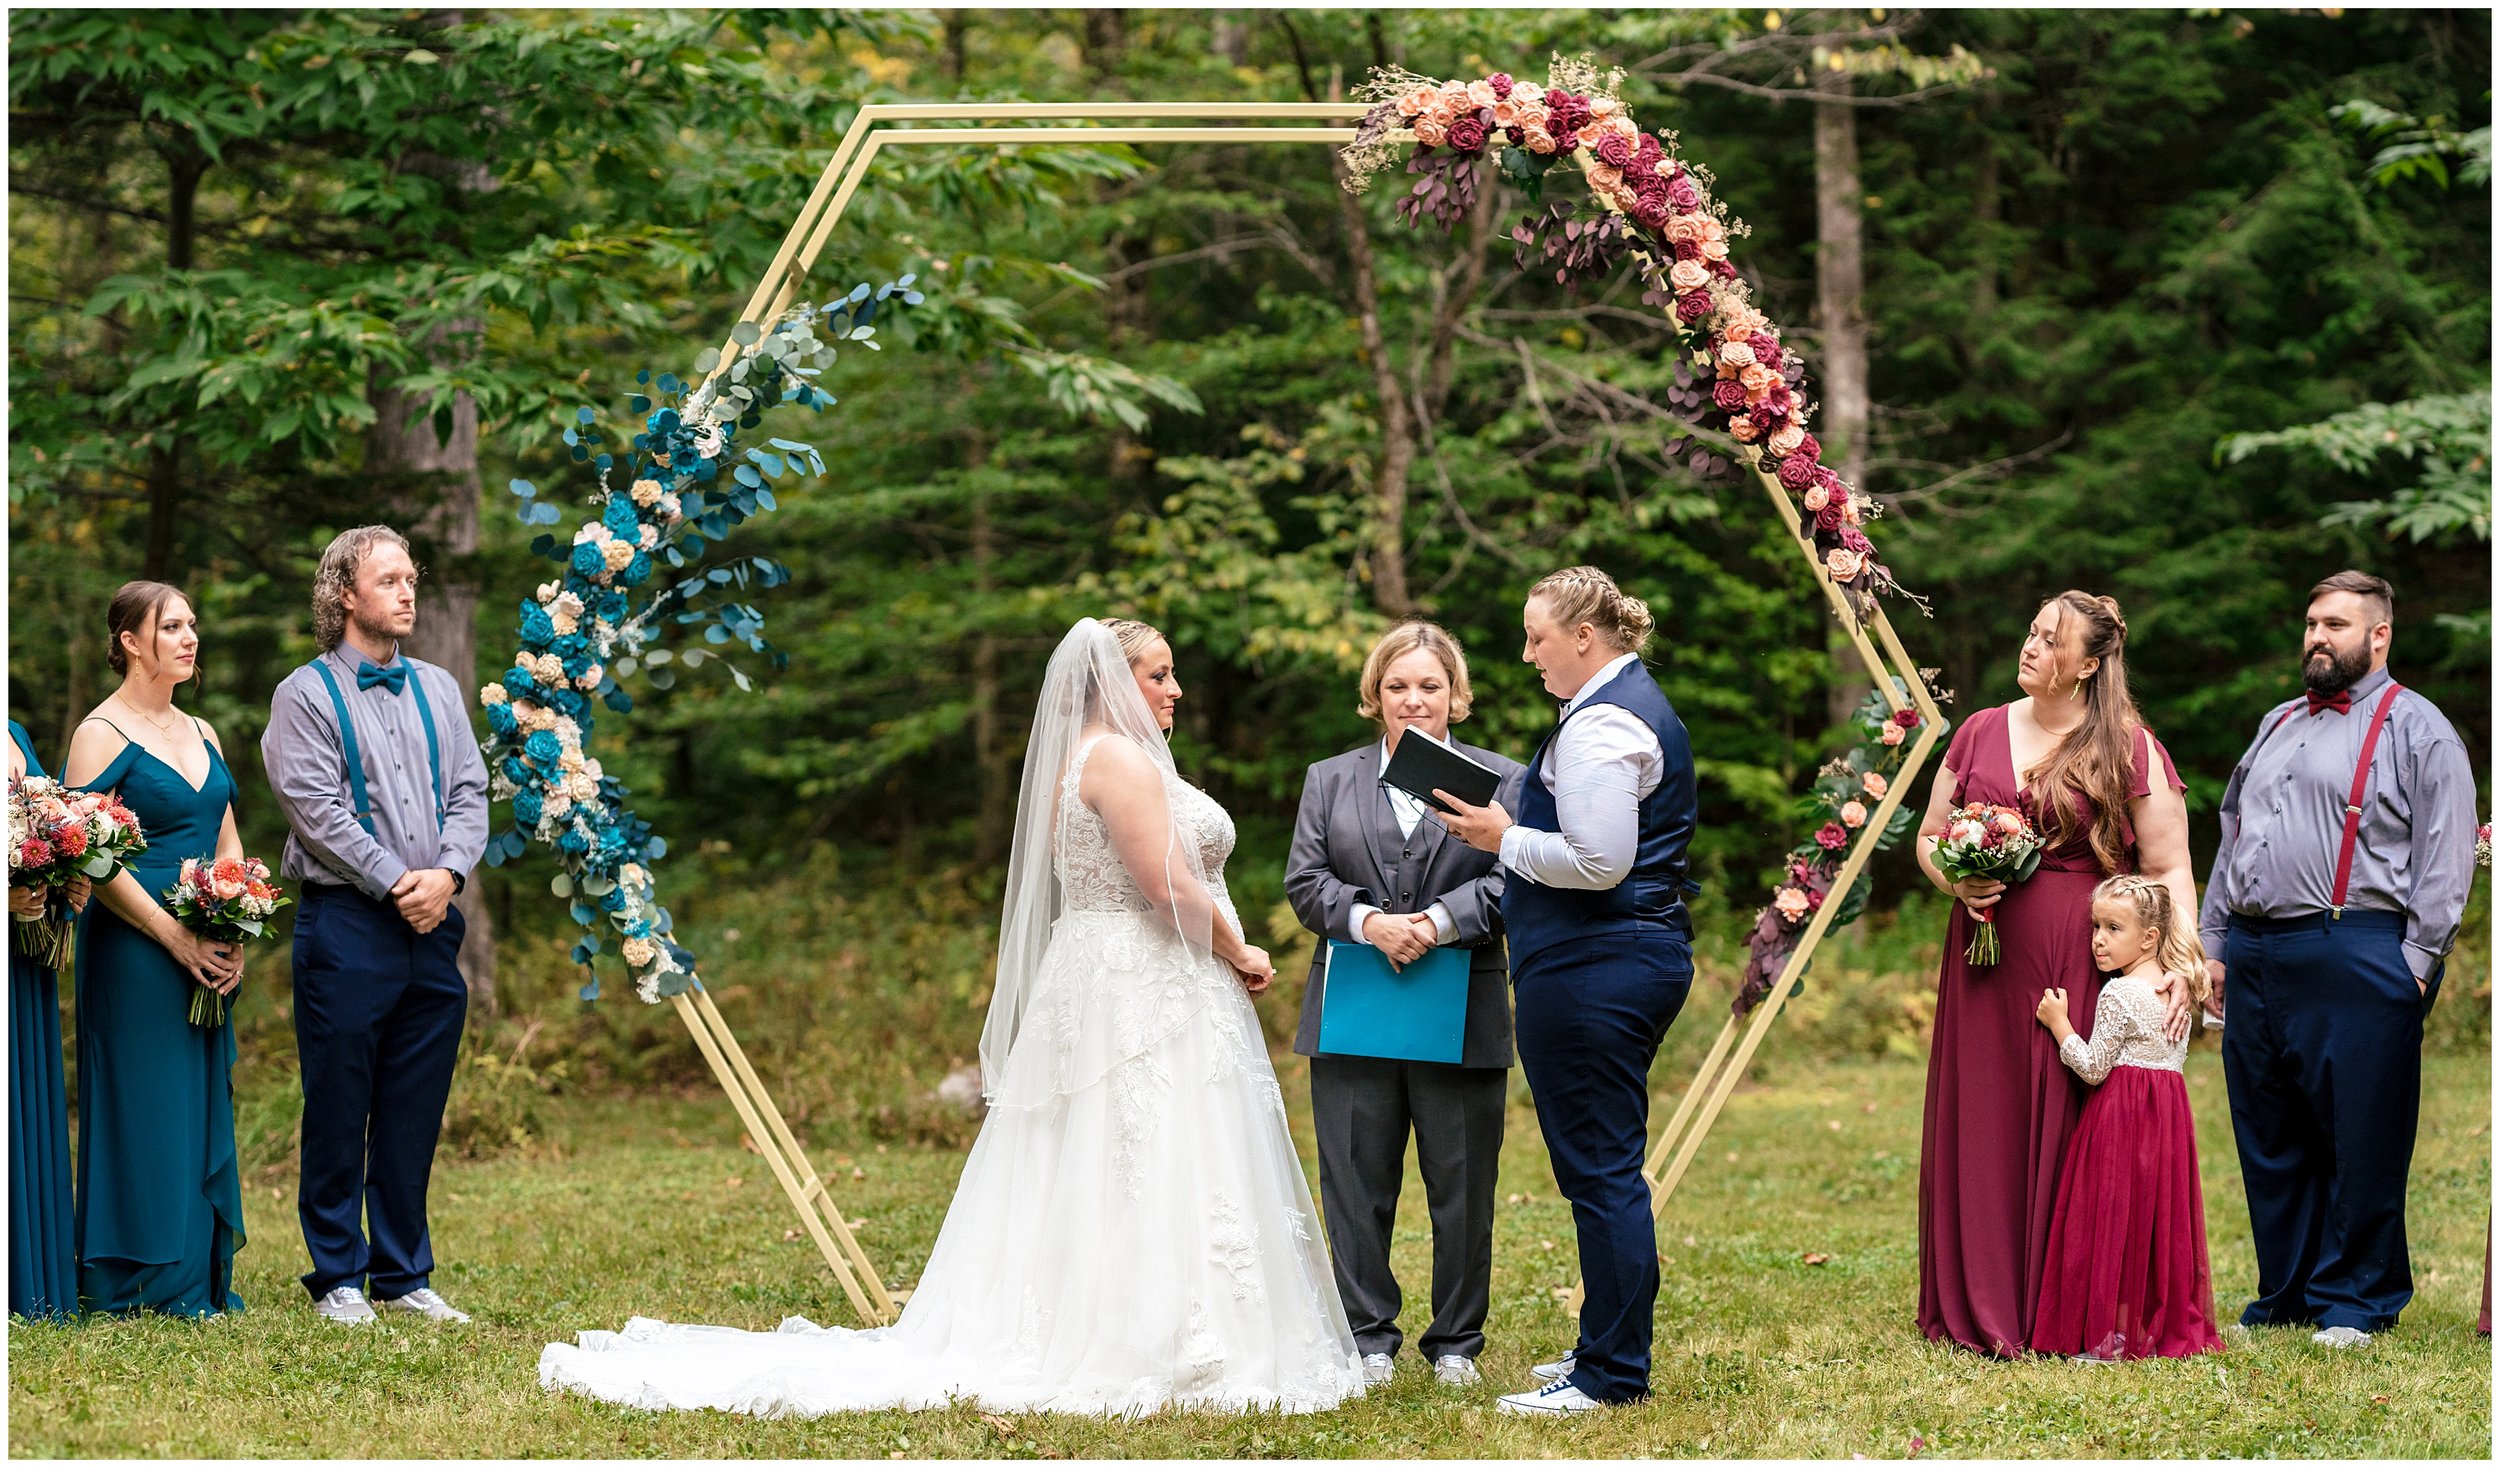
[1684, 227]
[1431, 131]
[1849, 512]
[1714, 250]
[1743, 431]
[1621, 126]
[1539, 140]
[1853, 815]
[1736, 354]
[1745, 321]
[1785, 441]
[1601, 177]
[1876, 786]
[1893, 733]
[1528, 93]
[1711, 229]
[1844, 564]
[1480, 92]
[1506, 113]
[1816, 496]
[1689, 275]
[1791, 903]
[1590, 132]
[1604, 107]
[1756, 378]
[1411, 101]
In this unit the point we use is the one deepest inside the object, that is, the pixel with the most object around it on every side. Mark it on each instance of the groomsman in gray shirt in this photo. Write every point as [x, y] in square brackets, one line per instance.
[371, 756]
[2347, 850]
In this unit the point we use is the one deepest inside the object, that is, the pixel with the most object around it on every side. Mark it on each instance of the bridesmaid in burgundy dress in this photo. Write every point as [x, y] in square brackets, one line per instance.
[2000, 1104]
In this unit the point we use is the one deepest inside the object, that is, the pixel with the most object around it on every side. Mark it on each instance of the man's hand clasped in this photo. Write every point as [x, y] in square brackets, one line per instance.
[424, 897]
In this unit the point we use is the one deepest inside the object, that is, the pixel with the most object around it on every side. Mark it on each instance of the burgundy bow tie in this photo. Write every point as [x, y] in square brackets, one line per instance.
[2340, 701]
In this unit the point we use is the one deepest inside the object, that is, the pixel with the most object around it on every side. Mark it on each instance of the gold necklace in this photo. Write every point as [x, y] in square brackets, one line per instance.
[164, 726]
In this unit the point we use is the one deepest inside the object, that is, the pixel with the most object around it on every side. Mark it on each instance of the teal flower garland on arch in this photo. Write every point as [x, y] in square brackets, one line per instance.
[686, 483]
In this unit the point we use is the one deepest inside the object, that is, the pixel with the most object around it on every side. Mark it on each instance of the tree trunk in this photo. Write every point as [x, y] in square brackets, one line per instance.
[440, 518]
[1106, 39]
[954, 22]
[164, 473]
[1231, 38]
[994, 826]
[1840, 308]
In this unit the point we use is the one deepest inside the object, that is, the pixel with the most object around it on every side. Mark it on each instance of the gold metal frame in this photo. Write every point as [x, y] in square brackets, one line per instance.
[1672, 1154]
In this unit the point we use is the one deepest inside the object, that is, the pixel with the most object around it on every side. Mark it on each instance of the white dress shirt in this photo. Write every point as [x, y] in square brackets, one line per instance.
[1410, 813]
[1602, 764]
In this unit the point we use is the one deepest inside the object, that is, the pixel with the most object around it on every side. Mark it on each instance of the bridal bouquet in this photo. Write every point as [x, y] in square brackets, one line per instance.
[1993, 843]
[229, 899]
[55, 837]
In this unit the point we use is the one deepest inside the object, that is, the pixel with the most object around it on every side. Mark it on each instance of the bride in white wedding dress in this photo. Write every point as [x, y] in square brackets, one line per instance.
[1132, 1230]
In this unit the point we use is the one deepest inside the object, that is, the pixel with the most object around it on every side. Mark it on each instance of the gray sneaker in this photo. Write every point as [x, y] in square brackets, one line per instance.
[344, 1306]
[428, 1304]
[1378, 1367]
[1455, 1370]
[2341, 1336]
[1555, 1370]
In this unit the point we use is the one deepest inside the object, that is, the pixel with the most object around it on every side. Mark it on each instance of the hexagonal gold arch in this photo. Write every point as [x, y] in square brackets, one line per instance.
[871, 132]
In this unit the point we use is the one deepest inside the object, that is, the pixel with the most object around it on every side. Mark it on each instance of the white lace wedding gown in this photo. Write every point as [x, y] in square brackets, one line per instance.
[1132, 1229]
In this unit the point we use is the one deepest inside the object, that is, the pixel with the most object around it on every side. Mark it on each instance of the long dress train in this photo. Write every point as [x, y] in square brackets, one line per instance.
[1132, 1230]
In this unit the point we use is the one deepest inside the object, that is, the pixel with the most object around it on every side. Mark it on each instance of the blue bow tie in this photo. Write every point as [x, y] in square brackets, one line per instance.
[394, 677]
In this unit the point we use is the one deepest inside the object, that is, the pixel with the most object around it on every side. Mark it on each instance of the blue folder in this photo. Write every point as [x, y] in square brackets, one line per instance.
[1415, 1013]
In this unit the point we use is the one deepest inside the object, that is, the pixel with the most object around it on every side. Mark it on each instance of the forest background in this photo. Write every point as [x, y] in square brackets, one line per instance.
[2187, 307]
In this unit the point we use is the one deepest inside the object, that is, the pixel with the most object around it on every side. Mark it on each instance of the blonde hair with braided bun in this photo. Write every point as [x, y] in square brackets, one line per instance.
[1578, 594]
[1134, 637]
[2180, 952]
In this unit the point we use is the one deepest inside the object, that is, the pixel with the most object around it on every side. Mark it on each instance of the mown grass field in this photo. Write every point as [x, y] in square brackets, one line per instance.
[648, 1205]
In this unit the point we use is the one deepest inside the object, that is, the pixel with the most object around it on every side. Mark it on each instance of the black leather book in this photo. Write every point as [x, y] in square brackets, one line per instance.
[1423, 764]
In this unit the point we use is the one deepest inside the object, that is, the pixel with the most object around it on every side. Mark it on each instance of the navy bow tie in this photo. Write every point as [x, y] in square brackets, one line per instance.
[394, 677]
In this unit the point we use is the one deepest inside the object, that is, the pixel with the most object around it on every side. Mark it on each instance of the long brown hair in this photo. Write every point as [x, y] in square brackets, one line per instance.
[134, 611]
[2096, 759]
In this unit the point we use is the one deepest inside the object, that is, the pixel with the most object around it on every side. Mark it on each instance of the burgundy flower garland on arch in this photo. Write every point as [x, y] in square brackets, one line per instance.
[1655, 211]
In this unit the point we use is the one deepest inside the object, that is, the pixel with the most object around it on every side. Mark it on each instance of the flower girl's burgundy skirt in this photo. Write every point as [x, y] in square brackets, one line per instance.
[2127, 1273]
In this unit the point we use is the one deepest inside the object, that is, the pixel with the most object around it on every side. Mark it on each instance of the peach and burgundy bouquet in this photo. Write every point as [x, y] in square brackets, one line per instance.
[1991, 843]
[55, 837]
[230, 899]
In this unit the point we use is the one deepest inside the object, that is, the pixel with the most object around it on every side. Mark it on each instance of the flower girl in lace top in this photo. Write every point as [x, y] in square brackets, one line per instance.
[2126, 1273]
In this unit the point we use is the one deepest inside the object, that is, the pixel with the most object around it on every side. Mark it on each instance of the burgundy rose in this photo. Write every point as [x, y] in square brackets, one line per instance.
[1518, 136]
[1766, 353]
[1467, 134]
[1761, 417]
[1796, 474]
[1688, 249]
[1614, 150]
[1826, 478]
[1682, 194]
[1565, 114]
[1723, 269]
[1649, 151]
[1762, 341]
[1906, 718]
[1693, 306]
[1838, 493]
[1651, 213]
[1855, 539]
[1501, 84]
[1826, 519]
[1773, 409]
[1729, 394]
[1810, 449]
[1831, 838]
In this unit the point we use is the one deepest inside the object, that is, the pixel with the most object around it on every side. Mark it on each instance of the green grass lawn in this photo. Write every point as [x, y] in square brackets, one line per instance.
[650, 1206]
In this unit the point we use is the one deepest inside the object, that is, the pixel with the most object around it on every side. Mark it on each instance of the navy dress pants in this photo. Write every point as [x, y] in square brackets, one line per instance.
[1591, 1015]
[378, 1012]
[2322, 1051]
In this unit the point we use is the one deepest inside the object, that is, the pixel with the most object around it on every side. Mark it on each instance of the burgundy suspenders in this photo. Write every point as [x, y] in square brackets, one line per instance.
[2360, 784]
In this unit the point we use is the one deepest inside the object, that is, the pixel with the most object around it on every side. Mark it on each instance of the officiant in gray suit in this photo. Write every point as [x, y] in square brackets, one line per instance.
[1368, 866]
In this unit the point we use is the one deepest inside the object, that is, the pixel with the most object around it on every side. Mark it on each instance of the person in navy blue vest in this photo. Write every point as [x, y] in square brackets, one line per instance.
[371, 757]
[2347, 854]
[1601, 955]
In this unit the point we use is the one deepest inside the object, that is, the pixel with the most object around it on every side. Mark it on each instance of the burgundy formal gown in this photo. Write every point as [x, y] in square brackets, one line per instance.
[2000, 1104]
[2128, 1275]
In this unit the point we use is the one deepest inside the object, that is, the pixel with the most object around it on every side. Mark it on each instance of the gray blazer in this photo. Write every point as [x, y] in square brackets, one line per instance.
[1347, 849]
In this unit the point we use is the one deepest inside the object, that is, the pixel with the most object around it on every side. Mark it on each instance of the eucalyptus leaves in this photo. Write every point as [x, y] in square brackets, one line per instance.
[686, 484]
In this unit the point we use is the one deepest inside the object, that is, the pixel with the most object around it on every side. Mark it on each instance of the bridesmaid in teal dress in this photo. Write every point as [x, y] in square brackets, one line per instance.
[43, 1257]
[160, 1201]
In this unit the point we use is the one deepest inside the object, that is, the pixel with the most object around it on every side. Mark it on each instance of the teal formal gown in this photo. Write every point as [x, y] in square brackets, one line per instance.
[160, 1201]
[43, 1257]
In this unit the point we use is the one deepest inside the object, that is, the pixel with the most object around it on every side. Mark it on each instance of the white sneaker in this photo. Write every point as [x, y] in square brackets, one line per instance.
[1557, 1399]
[2341, 1336]
[1555, 1370]
[1378, 1367]
[1457, 1371]
[345, 1306]
[428, 1304]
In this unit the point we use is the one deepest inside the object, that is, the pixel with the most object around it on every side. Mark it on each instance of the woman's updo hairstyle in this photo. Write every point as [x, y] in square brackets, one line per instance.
[1134, 637]
[1580, 594]
[134, 611]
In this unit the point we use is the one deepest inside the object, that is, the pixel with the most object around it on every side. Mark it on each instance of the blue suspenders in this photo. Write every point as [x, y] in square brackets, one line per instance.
[355, 760]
